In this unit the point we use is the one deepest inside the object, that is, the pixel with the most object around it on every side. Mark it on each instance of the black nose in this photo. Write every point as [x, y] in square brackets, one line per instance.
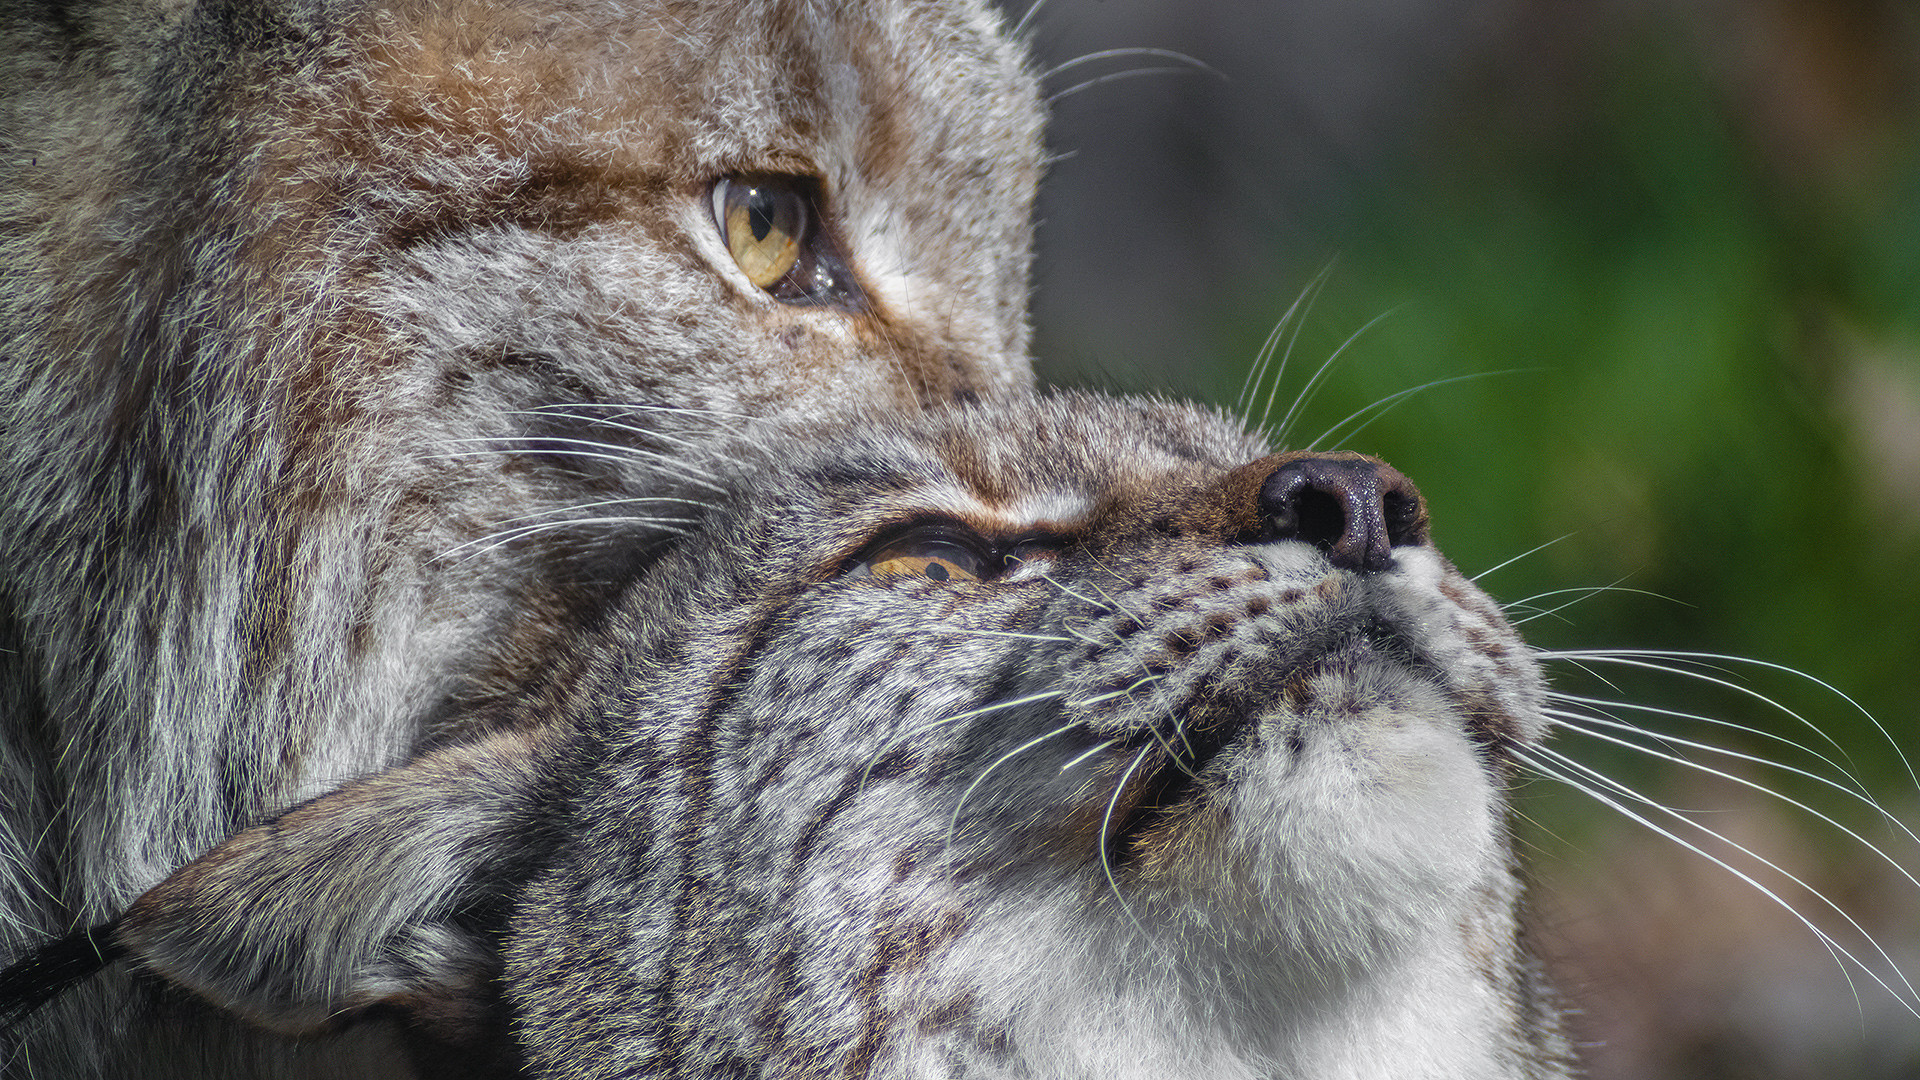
[1354, 508]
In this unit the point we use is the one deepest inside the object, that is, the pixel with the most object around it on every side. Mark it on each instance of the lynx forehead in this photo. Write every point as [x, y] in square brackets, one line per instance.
[1203, 779]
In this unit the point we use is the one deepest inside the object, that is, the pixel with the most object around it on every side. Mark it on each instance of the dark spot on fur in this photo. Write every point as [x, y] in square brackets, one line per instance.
[904, 865]
[951, 1013]
[892, 765]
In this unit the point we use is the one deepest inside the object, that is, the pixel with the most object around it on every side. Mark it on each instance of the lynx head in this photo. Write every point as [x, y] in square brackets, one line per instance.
[316, 313]
[1072, 737]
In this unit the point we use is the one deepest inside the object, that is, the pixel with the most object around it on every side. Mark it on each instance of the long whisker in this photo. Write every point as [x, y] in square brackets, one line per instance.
[1392, 401]
[625, 500]
[1288, 328]
[1111, 694]
[561, 408]
[1530, 551]
[1583, 593]
[867, 772]
[1569, 722]
[1112, 54]
[1318, 380]
[1082, 597]
[1644, 659]
[496, 540]
[600, 421]
[1116, 76]
[1858, 788]
[953, 823]
[1106, 828]
[1078, 758]
[1026, 18]
[597, 450]
[1833, 946]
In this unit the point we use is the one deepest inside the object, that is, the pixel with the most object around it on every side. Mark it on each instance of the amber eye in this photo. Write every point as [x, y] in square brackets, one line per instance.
[764, 220]
[772, 227]
[933, 553]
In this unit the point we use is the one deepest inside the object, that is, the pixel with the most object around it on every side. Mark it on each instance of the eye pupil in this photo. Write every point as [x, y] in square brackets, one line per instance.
[760, 211]
[937, 572]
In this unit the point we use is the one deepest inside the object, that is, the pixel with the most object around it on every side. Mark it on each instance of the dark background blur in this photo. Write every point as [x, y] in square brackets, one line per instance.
[1678, 242]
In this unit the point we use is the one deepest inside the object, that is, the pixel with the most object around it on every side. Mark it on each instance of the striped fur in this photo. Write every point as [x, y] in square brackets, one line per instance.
[1168, 799]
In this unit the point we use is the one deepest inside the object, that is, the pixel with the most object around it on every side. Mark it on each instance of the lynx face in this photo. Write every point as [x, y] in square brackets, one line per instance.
[1068, 738]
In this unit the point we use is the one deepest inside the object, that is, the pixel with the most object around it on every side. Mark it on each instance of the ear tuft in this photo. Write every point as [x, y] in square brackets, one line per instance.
[51, 969]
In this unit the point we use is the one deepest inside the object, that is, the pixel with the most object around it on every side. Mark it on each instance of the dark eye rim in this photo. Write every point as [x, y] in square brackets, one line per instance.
[928, 532]
[822, 276]
[992, 553]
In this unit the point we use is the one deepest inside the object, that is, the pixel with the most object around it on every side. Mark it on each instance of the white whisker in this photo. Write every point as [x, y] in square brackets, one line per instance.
[953, 823]
[1081, 702]
[1026, 18]
[495, 540]
[1832, 945]
[867, 772]
[1116, 76]
[1681, 760]
[1530, 551]
[1583, 593]
[1078, 758]
[1644, 659]
[1106, 828]
[1289, 327]
[1387, 404]
[624, 455]
[625, 500]
[1318, 380]
[563, 408]
[1112, 54]
[1714, 721]
[1055, 582]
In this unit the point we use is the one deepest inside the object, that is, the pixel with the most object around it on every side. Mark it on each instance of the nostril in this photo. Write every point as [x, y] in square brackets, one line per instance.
[1406, 517]
[1299, 510]
[1351, 507]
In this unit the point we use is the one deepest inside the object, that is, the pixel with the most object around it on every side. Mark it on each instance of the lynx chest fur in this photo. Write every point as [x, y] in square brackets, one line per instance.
[1076, 738]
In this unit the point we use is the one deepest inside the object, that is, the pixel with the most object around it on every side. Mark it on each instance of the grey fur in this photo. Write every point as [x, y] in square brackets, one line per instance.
[301, 303]
[783, 819]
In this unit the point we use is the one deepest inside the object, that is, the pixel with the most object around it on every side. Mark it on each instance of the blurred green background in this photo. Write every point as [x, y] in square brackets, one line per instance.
[1678, 246]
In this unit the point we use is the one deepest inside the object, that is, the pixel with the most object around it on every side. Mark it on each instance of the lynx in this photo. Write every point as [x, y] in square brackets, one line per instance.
[1061, 738]
[313, 314]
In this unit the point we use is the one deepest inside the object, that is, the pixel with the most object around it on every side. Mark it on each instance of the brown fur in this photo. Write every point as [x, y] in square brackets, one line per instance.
[303, 303]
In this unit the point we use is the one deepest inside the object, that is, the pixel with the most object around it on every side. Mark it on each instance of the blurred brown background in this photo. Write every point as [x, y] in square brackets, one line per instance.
[1677, 244]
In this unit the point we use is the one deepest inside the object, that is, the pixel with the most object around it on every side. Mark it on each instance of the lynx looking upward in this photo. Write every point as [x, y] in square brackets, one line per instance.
[1069, 738]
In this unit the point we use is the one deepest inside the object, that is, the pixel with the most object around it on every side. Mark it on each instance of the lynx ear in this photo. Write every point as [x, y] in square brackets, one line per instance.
[352, 899]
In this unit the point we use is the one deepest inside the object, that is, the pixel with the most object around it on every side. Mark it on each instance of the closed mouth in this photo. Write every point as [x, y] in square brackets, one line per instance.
[1171, 775]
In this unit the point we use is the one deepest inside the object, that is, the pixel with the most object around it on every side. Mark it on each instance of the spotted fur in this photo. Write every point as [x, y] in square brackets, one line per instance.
[1169, 797]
